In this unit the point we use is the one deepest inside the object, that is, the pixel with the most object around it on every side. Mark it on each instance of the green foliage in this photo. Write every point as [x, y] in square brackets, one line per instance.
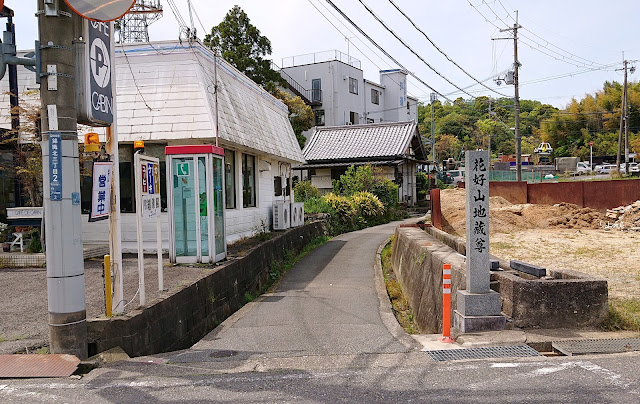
[240, 43]
[386, 191]
[340, 206]
[316, 205]
[304, 190]
[367, 205]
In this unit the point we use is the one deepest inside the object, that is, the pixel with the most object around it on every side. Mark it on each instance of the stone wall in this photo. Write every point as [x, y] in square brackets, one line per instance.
[417, 263]
[570, 299]
[566, 299]
[180, 320]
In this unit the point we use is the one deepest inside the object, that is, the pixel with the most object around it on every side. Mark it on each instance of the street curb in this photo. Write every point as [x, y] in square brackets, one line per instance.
[385, 310]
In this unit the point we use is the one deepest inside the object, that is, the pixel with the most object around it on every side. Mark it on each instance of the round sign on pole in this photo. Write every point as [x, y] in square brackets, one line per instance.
[101, 10]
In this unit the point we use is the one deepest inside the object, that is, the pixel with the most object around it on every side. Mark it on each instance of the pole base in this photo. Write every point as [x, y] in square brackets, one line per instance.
[446, 340]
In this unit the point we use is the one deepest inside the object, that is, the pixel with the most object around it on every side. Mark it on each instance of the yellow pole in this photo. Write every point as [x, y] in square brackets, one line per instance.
[107, 284]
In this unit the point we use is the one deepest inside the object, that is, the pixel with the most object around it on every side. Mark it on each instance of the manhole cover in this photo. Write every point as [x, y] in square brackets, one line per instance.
[516, 351]
[596, 346]
[223, 354]
[52, 365]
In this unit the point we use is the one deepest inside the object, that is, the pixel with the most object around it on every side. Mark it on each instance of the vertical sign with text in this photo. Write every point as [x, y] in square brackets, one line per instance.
[477, 220]
[101, 193]
[55, 166]
[148, 189]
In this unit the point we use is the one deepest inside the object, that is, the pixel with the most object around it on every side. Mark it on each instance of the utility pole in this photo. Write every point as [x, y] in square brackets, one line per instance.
[623, 119]
[516, 101]
[489, 145]
[61, 178]
[433, 130]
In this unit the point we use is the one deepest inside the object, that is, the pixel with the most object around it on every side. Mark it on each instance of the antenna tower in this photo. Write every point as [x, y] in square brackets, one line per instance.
[134, 26]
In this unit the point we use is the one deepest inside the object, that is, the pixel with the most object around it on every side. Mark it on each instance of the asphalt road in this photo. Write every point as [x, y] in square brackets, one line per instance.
[323, 337]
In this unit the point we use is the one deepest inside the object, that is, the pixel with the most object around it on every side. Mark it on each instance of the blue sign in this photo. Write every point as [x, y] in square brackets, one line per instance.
[75, 198]
[55, 166]
[150, 176]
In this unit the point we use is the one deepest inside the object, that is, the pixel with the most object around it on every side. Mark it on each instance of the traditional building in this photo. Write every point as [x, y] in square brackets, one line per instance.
[396, 147]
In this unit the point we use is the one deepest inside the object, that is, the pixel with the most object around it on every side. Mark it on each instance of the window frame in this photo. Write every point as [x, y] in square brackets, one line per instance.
[353, 85]
[249, 182]
[230, 179]
[319, 113]
[375, 100]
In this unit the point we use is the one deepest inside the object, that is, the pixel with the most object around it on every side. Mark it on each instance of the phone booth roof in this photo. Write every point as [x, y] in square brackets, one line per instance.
[194, 149]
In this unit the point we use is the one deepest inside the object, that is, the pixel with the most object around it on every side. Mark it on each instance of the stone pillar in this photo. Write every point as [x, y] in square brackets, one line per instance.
[478, 307]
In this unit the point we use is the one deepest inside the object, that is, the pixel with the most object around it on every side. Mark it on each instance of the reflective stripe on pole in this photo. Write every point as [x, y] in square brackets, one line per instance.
[446, 304]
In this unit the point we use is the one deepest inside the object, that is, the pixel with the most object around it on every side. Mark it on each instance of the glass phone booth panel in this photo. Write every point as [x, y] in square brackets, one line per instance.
[196, 203]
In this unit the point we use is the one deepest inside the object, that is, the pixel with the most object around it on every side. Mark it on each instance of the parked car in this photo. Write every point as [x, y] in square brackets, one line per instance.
[456, 176]
[605, 168]
[583, 168]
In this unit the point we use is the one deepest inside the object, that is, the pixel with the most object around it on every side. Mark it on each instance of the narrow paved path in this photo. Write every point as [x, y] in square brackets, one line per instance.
[326, 304]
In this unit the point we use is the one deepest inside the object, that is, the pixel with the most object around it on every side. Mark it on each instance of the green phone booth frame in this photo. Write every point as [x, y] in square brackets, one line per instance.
[196, 170]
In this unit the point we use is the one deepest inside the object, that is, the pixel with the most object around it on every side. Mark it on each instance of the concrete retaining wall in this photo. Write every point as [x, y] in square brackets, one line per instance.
[571, 299]
[182, 319]
[417, 263]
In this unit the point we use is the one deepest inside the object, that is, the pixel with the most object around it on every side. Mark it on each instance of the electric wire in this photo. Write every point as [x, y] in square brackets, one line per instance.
[440, 50]
[383, 50]
[392, 32]
[341, 33]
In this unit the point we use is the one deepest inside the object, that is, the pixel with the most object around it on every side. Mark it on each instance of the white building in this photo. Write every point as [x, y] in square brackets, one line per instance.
[334, 86]
[166, 96]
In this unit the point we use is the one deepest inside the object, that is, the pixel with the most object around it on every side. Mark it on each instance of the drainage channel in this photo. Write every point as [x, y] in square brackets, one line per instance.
[566, 347]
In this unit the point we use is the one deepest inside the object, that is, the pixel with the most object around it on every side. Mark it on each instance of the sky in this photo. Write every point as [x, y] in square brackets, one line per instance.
[566, 48]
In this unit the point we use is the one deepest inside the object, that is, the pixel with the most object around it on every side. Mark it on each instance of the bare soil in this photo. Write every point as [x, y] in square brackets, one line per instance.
[562, 236]
[23, 296]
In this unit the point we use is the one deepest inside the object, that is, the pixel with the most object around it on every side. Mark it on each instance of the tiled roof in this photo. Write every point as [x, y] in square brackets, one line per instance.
[360, 141]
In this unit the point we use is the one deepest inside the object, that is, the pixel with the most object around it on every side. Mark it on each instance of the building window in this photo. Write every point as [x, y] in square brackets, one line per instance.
[408, 110]
[248, 181]
[230, 179]
[375, 96]
[353, 85]
[319, 117]
[370, 120]
[354, 119]
[277, 186]
[316, 90]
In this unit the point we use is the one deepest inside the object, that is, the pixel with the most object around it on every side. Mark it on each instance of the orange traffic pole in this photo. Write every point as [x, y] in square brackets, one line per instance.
[446, 304]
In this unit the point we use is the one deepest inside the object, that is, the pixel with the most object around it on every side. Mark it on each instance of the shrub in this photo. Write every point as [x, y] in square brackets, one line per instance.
[303, 191]
[367, 205]
[316, 205]
[340, 206]
[386, 191]
[354, 180]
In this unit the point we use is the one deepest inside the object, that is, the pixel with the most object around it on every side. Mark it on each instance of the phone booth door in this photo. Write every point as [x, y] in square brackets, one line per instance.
[196, 210]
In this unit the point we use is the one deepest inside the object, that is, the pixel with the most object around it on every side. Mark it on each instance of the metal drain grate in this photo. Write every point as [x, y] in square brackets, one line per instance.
[513, 351]
[596, 346]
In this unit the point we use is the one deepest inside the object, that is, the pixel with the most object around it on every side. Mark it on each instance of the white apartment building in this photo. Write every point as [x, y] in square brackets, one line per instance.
[333, 84]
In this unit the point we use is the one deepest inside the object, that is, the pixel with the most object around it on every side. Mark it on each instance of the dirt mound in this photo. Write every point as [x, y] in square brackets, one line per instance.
[506, 217]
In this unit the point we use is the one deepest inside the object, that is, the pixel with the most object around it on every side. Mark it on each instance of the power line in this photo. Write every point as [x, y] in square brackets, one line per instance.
[384, 51]
[440, 50]
[410, 49]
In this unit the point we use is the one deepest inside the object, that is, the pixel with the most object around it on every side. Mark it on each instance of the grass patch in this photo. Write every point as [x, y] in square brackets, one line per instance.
[2, 338]
[624, 314]
[399, 302]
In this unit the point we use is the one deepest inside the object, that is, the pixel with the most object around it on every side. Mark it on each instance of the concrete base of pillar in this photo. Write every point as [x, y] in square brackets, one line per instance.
[479, 304]
[68, 339]
[467, 324]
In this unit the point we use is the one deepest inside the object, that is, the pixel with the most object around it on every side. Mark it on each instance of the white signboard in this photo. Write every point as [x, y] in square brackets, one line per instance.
[101, 193]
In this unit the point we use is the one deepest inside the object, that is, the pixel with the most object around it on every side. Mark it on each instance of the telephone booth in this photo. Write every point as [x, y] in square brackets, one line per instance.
[195, 193]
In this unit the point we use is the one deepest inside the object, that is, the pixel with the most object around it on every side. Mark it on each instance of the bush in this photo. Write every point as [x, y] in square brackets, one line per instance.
[316, 205]
[367, 205]
[340, 206]
[386, 191]
[422, 181]
[303, 191]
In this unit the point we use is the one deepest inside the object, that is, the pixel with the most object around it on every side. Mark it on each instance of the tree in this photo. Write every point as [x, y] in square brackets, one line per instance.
[300, 114]
[240, 43]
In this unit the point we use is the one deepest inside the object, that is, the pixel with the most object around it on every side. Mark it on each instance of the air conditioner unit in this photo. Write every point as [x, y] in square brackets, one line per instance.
[297, 214]
[281, 215]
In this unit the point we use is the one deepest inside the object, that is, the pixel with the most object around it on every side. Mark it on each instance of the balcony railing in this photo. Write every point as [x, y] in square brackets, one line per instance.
[319, 57]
